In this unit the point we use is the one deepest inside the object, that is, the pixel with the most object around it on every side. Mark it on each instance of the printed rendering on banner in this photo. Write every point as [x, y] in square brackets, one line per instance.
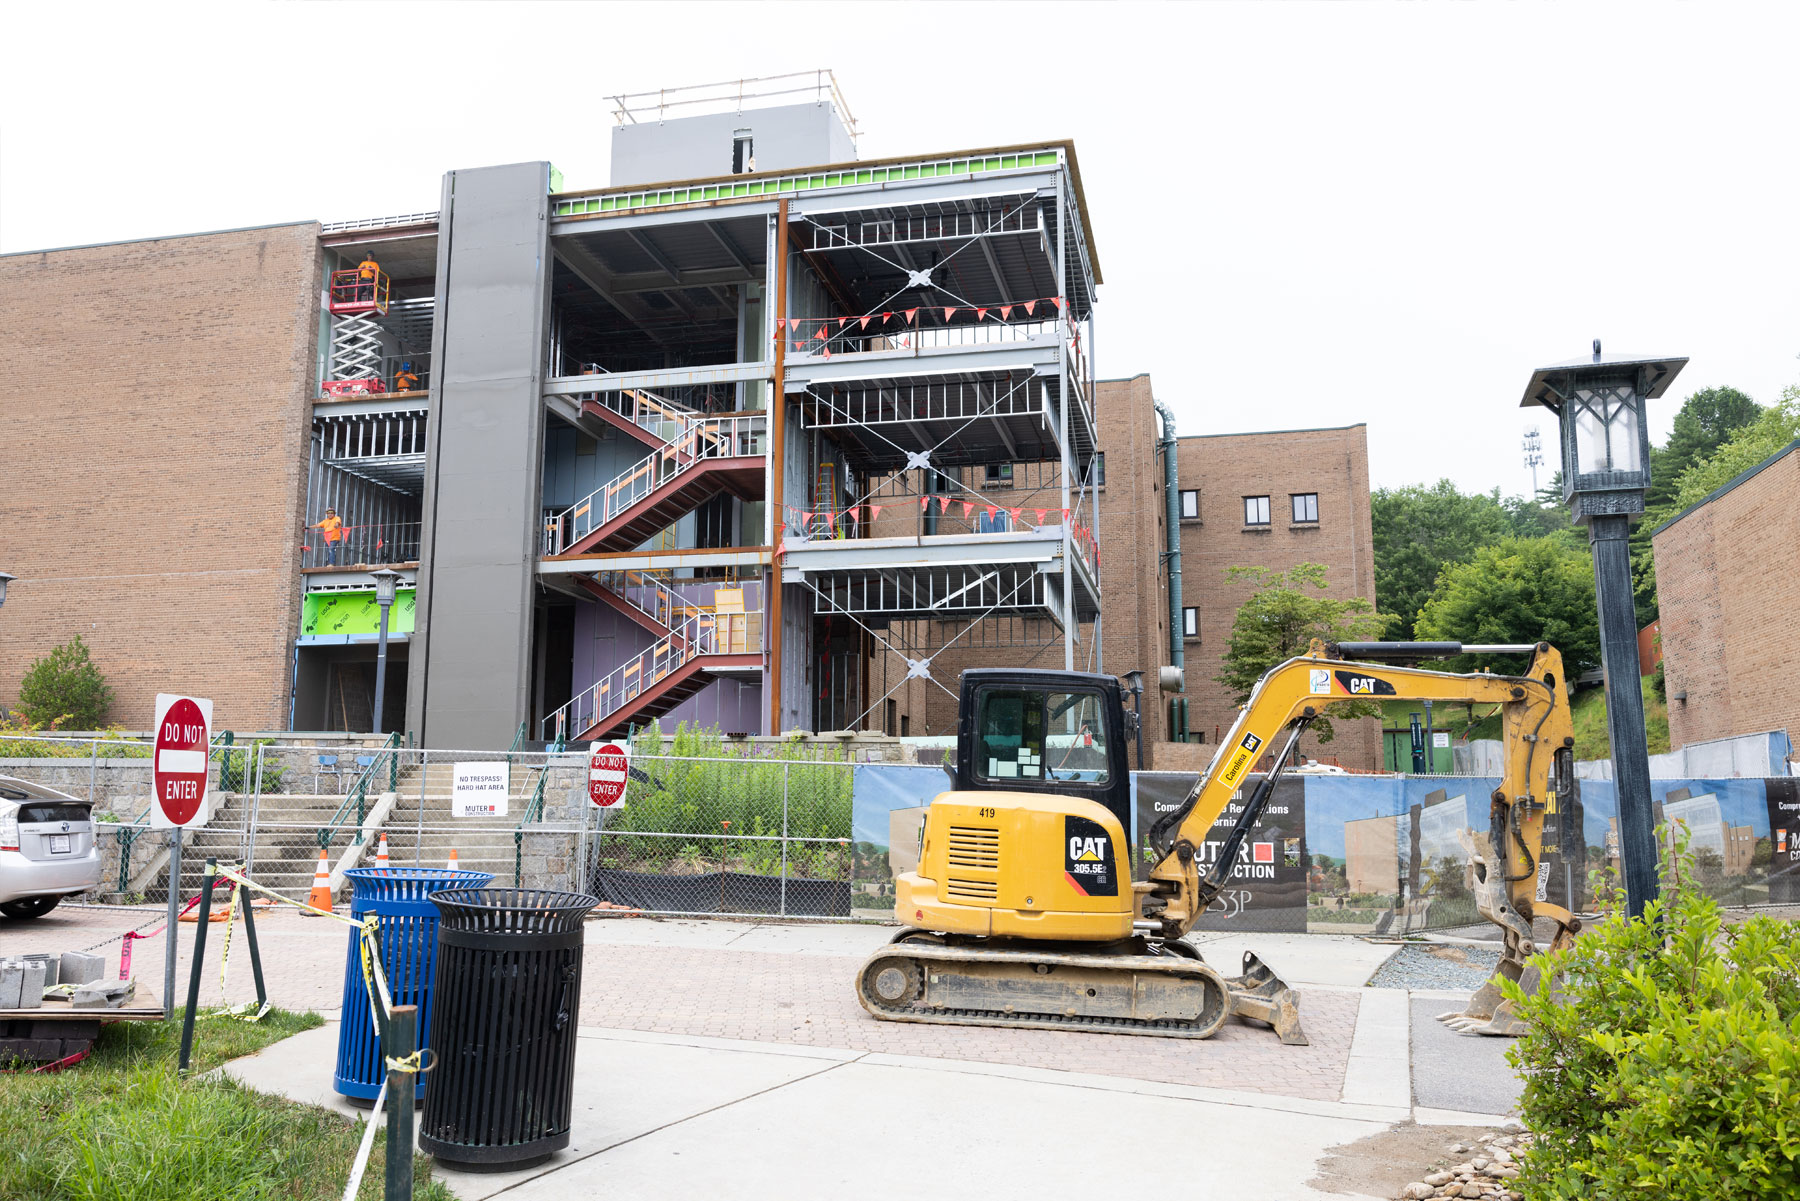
[1243, 757]
[1088, 858]
[480, 789]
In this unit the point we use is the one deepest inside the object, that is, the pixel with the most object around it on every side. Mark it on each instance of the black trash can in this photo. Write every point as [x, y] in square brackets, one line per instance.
[503, 1034]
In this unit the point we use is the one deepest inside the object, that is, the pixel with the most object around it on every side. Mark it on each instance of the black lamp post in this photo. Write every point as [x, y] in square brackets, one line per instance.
[386, 581]
[1599, 404]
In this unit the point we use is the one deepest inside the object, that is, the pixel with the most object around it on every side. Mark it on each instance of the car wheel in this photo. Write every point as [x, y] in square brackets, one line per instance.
[29, 907]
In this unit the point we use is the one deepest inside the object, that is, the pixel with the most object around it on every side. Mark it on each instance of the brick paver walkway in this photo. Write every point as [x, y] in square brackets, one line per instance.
[758, 996]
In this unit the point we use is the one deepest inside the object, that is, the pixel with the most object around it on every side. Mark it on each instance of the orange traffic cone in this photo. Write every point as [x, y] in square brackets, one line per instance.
[321, 886]
[451, 866]
[381, 859]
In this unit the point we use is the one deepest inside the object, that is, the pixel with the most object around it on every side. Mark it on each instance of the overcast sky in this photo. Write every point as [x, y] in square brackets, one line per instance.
[1305, 214]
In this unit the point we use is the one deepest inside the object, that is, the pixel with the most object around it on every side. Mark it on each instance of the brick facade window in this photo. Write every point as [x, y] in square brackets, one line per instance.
[1256, 510]
[1306, 508]
[1190, 623]
[999, 475]
[1190, 504]
[1100, 470]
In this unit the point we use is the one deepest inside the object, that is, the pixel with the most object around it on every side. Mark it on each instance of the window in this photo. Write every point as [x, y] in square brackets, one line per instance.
[905, 725]
[889, 726]
[1026, 736]
[1306, 508]
[1190, 504]
[1256, 510]
[1190, 622]
[1100, 470]
[743, 152]
[1000, 475]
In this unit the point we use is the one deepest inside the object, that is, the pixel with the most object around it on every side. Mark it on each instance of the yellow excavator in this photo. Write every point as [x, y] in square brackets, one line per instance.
[1023, 911]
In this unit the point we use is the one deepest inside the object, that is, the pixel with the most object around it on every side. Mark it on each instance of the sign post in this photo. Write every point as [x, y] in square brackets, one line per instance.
[183, 734]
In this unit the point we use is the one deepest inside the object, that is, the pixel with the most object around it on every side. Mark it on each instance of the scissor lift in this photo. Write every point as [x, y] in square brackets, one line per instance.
[354, 302]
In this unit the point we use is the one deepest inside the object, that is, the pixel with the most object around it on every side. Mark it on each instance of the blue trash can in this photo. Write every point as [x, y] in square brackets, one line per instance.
[409, 935]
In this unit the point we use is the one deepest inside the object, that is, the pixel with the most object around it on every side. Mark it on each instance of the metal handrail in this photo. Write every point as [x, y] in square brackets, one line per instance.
[359, 791]
[534, 810]
[701, 439]
[694, 637]
[664, 603]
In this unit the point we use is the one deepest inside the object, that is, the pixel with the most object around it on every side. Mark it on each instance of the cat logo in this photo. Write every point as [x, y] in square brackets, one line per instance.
[1242, 756]
[1089, 867]
[1351, 683]
[1087, 850]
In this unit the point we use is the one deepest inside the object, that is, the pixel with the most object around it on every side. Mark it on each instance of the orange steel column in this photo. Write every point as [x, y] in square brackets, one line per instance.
[777, 409]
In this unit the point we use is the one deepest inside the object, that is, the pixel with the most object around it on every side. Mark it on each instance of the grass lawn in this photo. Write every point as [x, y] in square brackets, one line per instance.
[120, 1127]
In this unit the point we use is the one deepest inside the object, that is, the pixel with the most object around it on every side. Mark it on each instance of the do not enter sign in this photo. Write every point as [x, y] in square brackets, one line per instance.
[608, 768]
[183, 733]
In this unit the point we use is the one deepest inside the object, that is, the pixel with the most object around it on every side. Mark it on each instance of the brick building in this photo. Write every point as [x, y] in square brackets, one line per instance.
[1724, 586]
[154, 412]
[740, 439]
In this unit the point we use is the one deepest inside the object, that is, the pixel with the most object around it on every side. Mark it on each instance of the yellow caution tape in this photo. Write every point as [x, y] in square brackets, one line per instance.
[368, 928]
[412, 1063]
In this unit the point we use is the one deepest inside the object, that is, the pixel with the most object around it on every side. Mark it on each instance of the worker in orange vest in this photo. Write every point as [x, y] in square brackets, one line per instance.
[333, 529]
[366, 271]
[404, 379]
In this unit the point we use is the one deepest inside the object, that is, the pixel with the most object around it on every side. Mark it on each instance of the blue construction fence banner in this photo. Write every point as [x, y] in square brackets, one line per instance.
[1363, 854]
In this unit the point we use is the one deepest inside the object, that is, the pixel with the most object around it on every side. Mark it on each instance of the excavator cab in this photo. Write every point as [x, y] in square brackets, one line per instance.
[1054, 732]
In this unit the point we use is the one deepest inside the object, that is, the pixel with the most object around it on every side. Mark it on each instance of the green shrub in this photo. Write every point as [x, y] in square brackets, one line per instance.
[65, 688]
[1667, 1063]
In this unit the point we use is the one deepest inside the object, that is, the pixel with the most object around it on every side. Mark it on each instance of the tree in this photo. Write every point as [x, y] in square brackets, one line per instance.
[1520, 590]
[65, 688]
[1418, 530]
[1280, 620]
[1747, 446]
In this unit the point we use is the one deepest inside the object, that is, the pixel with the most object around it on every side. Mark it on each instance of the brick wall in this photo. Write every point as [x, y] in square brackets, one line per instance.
[153, 425]
[1724, 585]
[1334, 464]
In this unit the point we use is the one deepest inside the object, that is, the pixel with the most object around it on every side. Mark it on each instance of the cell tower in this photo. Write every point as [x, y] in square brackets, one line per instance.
[1534, 455]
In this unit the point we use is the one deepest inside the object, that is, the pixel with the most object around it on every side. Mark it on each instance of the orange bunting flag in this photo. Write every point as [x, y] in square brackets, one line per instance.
[949, 312]
[981, 314]
[826, 351]
[993, 511]
[968, 508]
[1014, 513]
[1040, 516]
[865, 323]
[821, 335]
[1030, 307]
[1006, 312]
[887, 317]
[875, 511]
[798, 346]
[1060, 302]
[910, 314]
[794, 324]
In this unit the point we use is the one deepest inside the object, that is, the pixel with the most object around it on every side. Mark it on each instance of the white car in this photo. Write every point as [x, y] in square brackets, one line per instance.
[46, 848]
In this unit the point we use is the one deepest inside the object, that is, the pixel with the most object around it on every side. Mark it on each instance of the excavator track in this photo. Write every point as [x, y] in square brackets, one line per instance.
[1163, 995]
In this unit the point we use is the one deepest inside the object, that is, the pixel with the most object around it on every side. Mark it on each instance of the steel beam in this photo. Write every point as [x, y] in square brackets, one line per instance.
[671, 377]
[1027, 354]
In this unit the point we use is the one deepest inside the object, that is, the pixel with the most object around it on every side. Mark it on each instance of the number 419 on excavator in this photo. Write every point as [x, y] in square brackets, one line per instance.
[1023, 912]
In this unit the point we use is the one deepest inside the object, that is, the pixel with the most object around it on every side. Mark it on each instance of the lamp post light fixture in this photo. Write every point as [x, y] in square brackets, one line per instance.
[6, 577]
[386, 583]
[1600, 407]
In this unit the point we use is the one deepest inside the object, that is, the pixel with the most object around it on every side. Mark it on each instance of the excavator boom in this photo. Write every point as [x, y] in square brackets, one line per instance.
[1538, 780]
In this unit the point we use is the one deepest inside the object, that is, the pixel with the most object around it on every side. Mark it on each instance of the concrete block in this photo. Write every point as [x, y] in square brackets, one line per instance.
[103, 994]
[60, 1028]
[12, 982]
[81, 968]
[31, 986]
[51, 963]
[37, 1050]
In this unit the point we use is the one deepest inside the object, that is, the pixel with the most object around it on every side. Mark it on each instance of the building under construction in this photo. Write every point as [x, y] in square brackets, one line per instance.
[762, 435]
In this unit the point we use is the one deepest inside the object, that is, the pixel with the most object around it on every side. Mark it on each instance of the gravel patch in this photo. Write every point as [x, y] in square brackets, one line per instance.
[1442, 967]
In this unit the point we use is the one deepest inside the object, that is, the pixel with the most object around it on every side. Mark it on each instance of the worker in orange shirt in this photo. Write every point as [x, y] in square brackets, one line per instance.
[366, 271]
[404, 379]
[333, 529]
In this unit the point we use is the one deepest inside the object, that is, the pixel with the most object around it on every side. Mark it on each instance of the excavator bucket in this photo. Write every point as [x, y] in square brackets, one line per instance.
[1488, 1011]
[1259, 993]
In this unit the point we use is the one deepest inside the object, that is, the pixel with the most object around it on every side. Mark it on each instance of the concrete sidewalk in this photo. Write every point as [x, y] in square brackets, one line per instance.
[668, 1116]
